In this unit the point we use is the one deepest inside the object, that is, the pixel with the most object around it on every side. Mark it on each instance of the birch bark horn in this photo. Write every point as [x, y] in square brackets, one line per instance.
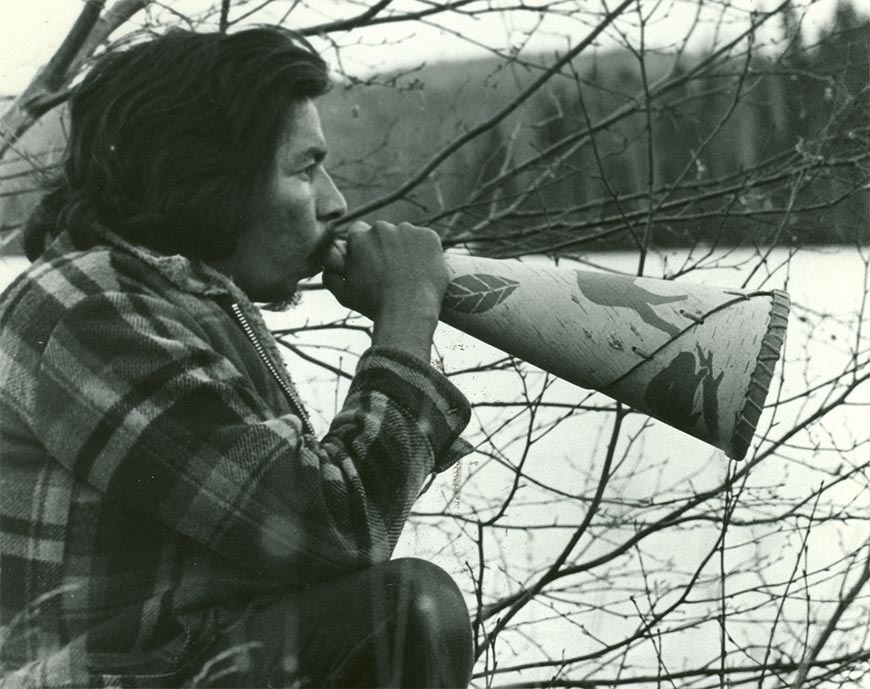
[698, 358]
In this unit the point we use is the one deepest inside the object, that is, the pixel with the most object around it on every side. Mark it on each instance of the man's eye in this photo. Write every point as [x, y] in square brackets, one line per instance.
[309, 171]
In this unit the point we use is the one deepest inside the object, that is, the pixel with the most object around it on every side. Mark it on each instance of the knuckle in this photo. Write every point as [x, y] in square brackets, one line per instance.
[433, 236]
[355, 232]
[425, 235]
[423, 231]
[383, 226]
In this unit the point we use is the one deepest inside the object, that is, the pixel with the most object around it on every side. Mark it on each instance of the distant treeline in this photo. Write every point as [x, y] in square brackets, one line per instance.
[752, 149]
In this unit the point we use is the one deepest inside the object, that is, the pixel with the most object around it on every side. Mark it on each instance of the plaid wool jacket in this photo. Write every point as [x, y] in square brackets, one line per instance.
[157, 467]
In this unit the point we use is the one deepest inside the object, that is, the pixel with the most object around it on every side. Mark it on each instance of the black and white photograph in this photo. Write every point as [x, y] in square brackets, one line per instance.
[490, 344]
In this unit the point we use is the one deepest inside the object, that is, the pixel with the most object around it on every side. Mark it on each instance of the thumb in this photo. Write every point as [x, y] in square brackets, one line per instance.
[335, 258]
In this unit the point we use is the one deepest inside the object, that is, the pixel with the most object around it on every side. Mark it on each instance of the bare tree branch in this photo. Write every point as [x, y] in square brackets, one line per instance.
[439, 157]
[48, 87]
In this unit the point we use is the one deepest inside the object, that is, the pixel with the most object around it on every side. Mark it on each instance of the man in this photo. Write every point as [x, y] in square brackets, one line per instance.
[169, 517]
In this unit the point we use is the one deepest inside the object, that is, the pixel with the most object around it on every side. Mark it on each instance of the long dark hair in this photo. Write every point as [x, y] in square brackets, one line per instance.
[172, 139]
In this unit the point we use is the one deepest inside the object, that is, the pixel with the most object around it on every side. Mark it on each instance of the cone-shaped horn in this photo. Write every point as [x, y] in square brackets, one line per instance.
[698, 358]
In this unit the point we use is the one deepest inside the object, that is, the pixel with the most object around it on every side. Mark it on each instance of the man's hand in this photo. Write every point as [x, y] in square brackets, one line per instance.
[395, 275]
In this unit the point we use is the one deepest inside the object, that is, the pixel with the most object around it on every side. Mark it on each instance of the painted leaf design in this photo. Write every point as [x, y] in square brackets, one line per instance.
[478, 292]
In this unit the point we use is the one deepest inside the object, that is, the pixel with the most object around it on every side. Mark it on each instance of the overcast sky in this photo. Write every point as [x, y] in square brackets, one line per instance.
[31, 30]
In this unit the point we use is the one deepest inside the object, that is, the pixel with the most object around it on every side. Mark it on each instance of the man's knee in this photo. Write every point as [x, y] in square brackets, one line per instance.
[427, 589]
[435, 612]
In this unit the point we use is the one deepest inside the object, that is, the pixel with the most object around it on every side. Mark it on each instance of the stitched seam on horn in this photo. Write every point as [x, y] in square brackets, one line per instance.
[747, 418]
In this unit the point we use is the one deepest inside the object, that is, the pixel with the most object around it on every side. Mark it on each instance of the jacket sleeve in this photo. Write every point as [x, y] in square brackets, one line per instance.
[132, 398]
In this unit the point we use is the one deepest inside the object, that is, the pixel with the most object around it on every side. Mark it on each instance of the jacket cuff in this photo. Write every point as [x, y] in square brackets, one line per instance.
[438, 407]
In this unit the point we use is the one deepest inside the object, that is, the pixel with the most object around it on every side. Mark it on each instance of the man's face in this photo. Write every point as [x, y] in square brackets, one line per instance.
[290, 231]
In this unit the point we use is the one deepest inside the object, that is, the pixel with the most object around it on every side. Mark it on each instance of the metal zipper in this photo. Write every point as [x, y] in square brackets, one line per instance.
[295, 402]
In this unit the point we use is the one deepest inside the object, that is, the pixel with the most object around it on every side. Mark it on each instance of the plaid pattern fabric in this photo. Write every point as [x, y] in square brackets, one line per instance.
[154, 473]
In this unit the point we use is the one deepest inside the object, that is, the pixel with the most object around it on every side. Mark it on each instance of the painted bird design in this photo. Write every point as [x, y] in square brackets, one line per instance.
[616, 291]
[670, 395]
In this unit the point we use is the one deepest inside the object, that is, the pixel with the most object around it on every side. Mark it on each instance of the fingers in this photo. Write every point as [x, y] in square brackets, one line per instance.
[357, 229]
[377, 268]
[383, 237]
[335, 259]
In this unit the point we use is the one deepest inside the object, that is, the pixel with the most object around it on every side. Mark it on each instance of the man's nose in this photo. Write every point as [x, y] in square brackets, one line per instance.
[330, 201]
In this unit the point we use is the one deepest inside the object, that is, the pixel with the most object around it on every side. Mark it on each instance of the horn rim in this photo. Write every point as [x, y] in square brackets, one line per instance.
[769, 353]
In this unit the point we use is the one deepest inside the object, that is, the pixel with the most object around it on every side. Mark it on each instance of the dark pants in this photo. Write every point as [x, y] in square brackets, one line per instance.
[403, 623]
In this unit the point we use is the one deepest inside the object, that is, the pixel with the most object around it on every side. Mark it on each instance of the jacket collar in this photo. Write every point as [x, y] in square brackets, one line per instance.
[189, 275]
